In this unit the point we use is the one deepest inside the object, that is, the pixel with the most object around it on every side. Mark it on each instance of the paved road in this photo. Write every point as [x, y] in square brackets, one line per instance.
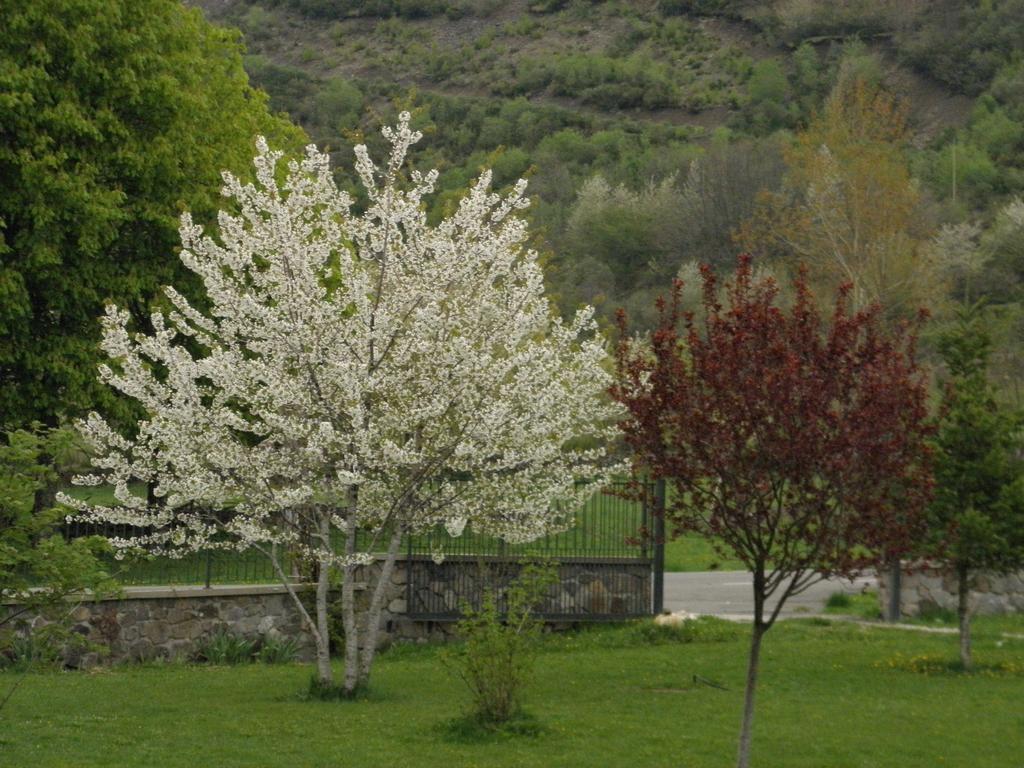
[728, 593]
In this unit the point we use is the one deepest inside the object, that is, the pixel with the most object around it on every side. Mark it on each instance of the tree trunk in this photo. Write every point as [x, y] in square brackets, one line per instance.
[45, 497]
[746, 730]
[895, 589]
[323, 647]
[348, 611]
[964, 614]
[322, 640]
[759, 628]
[376, 606]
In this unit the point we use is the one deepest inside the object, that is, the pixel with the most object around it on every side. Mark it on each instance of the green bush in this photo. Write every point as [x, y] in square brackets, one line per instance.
[978, 178]
[768, 104]
[495, 658]
[277, 650]
[612, 83]
[223, 647]
[862, 604]
[44, 648]
[339, 104]
[838, 600]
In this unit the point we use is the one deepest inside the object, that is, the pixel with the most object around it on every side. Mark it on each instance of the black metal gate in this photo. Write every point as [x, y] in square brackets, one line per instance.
[610, 564]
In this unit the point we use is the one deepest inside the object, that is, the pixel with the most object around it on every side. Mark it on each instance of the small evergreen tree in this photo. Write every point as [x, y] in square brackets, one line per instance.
[977, 515]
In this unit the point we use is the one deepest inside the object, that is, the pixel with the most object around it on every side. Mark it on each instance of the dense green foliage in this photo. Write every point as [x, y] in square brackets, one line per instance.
[611, 697]
[38, 567]
[965, 44]
[978, 510]
[115, 116]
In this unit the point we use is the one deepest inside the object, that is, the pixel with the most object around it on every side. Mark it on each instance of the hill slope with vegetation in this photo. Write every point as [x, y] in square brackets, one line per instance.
[661, 134]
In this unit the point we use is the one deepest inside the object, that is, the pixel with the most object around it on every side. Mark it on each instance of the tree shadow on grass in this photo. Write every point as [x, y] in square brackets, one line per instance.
[470, 729]
[317, 691]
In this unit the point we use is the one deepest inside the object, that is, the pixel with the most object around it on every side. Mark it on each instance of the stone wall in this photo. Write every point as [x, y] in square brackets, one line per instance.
[924, 589]
[147, 623]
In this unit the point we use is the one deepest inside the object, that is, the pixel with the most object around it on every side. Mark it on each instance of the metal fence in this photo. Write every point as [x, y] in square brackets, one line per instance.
[610, 563]
[615, 540]
[611, 524]
[583, 591]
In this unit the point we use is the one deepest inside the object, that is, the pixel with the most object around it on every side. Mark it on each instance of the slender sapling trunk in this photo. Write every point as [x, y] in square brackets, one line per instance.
[348, 612]
[323, 646]
[964, 615]
[376, 606]
[746, 730]
[757, 633]
[321, 639]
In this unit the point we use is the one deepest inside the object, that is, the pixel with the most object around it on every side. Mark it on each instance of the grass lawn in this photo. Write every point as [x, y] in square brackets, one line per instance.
[832, 695]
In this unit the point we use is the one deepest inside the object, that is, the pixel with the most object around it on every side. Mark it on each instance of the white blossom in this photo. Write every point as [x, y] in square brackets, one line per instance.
[354, 370]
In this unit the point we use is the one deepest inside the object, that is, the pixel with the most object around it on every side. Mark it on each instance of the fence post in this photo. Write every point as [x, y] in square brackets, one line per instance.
[209, 567]
[645, 521]
[659, 547]
[408, 572]
[895, 587]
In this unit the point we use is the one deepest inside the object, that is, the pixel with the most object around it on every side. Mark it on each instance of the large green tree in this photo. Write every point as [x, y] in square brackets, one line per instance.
[115, 115]
[977, 514]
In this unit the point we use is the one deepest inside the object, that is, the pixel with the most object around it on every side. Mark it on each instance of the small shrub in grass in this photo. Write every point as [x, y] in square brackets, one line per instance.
[222, 647]
[546, 6]
[863, 604]
[22, 652]
[49, 647]
[277, 650]
[495, 658]
[839, 600]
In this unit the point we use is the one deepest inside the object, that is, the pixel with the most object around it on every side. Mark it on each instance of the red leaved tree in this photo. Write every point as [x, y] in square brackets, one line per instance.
[797, 443]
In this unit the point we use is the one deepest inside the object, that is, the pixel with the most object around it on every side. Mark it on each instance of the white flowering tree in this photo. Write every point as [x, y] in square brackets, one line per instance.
[357, 376]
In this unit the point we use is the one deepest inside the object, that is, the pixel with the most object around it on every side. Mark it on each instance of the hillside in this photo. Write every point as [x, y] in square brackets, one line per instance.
[606, 105]
[598, 60]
